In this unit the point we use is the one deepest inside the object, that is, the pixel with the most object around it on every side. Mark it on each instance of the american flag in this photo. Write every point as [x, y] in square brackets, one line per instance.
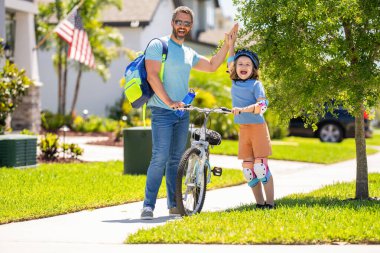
[71, 30]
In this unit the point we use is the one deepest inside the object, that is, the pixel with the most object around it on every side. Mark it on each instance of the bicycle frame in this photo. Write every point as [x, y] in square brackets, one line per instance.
[202, 144]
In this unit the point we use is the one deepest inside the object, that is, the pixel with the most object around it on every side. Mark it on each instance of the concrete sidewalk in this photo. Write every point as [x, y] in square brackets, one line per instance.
[105, 229]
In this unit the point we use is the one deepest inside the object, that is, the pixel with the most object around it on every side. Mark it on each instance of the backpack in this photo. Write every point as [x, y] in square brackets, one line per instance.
[136, 87]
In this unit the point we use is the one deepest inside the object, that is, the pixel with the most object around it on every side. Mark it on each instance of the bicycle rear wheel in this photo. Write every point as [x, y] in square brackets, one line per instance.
[191, 183]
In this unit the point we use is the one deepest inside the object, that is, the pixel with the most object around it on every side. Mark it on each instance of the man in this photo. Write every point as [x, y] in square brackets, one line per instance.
[169, 132]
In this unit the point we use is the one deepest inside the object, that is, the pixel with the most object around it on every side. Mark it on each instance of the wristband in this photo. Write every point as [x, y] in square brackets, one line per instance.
[230, 59]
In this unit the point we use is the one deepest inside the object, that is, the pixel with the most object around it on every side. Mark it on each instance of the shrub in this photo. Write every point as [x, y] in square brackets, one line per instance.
[111, 125]
[123, 107]
[118, 133]
[138, 120]
[13, 86]
[78, 124]
[51, 148]
[49, 145]
[53, 122]
[276, 128]
[75, 151]
[119, 109]
[94, 124]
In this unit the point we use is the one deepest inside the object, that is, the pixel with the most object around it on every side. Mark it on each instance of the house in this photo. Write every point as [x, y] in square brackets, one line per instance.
[139, 22]
[18, 29]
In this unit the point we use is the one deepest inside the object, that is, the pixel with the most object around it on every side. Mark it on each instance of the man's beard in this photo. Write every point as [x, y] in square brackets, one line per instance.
[179, 37]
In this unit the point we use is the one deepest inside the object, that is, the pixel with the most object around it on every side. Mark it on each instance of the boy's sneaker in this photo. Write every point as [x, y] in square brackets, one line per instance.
[147, 213]
[269, 206]
[174, 212]
[261, 206]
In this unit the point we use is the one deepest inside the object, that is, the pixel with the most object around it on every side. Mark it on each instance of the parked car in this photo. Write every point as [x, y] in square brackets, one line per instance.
[330, 128]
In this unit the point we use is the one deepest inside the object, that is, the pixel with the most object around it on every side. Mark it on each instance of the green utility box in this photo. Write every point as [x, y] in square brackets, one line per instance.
[137, 149]
[18, 150]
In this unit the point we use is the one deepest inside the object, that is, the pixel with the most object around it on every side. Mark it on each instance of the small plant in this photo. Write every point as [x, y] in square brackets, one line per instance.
[75, 151]
[49, 145]
[27, 132]
[51, 148]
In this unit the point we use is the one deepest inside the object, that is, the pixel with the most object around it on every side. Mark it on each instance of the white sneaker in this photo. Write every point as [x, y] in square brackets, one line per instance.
[147, 213]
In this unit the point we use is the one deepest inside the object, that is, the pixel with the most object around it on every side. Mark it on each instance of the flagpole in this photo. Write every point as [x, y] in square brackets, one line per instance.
[42, 41]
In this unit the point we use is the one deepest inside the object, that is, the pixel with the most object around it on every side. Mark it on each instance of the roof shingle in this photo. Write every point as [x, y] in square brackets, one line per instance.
[132, 10]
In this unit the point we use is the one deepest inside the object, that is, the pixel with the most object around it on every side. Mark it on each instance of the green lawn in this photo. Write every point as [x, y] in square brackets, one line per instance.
[375, 139]
[52, 189]
[305, 149]
[323, 216]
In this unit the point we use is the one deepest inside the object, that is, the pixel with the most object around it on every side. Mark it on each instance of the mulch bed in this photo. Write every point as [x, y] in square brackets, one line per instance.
[109, 142]
[59, 160]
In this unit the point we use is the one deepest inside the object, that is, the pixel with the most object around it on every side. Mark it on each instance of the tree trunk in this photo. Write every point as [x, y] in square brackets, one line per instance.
[361, 158]
[64, 88]
[361, 153]
[76, 92]
[59, 67]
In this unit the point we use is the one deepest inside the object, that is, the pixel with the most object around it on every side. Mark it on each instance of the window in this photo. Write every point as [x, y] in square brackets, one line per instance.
[10, 28]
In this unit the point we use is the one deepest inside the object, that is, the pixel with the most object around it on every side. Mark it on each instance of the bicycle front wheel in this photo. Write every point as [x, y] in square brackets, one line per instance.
[191, 183]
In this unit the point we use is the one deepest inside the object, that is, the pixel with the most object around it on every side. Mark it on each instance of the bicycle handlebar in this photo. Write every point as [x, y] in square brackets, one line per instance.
[222, 110]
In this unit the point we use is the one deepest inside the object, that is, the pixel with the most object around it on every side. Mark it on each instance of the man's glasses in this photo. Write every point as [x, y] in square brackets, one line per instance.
[184, 23]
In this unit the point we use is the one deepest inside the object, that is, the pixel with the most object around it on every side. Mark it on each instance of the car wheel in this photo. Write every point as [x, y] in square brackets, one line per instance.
[330, 132]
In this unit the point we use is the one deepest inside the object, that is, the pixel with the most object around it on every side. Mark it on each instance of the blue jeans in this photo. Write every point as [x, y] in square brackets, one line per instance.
[169, 137]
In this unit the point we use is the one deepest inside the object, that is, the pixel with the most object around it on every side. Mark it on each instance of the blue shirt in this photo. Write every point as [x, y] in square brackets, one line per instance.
[245, 93]
[178, 64]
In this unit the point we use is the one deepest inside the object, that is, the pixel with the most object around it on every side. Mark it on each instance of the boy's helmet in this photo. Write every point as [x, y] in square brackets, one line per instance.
[253, 56]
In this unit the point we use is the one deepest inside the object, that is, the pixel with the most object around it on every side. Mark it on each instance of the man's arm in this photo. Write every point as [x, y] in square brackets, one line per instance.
[213, 64]
[153, 76]
[231, 49]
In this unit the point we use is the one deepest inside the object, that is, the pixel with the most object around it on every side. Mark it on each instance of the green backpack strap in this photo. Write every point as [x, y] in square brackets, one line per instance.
[163, 60]
[144, 110]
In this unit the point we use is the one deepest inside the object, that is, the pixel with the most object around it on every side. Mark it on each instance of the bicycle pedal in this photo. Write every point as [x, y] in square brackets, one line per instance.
[217, 171]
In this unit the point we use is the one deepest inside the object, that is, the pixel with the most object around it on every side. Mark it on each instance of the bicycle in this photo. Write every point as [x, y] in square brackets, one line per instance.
[194, 171]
